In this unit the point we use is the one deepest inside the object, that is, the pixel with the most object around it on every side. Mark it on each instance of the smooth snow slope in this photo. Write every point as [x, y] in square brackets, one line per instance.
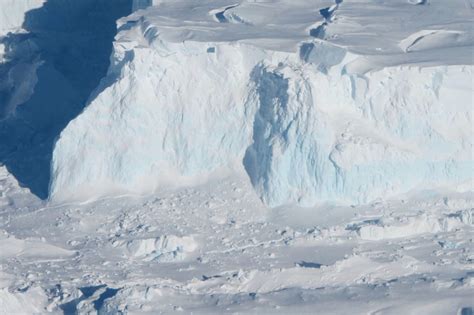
[318, 101]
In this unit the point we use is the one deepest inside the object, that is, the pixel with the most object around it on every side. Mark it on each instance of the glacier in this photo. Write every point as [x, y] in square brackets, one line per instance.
[310, 118]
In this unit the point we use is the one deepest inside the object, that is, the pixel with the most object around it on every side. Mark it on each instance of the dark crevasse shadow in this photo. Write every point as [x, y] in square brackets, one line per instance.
[272, 90]
[47, 79]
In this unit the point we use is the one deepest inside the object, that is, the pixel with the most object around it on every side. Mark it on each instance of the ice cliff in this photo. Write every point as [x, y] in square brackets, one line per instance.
[316, 100]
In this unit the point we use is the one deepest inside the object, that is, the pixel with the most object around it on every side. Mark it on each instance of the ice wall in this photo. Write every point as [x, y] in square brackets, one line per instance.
[156, 122]
[309, 121]
[320, 137]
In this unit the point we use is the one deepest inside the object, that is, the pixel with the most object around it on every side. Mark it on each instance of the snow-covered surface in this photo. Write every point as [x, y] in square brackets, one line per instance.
[215, 248]
[12, 13]
[312, 115]
[351, 119]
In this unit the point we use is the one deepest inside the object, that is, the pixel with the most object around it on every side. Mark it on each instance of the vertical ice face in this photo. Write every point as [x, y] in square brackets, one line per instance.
[182, 102]
[158, 123]
[320, 137]
[303, 135]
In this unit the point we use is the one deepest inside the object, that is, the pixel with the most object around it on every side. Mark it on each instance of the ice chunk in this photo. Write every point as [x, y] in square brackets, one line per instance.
[163, 248]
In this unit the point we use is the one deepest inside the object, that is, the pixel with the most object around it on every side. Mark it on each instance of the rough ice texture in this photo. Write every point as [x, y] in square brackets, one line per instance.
[329, 137]
[310, 115]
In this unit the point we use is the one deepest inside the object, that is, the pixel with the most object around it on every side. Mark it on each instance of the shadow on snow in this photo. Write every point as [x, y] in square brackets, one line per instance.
[48, 76]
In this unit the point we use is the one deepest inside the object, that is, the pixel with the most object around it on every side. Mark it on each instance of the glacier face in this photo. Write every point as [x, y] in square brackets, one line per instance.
[166, 121]
[309, 119]
[343, 137]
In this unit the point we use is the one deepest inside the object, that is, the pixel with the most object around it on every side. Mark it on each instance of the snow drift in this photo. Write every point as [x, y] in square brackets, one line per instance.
[310, 118]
